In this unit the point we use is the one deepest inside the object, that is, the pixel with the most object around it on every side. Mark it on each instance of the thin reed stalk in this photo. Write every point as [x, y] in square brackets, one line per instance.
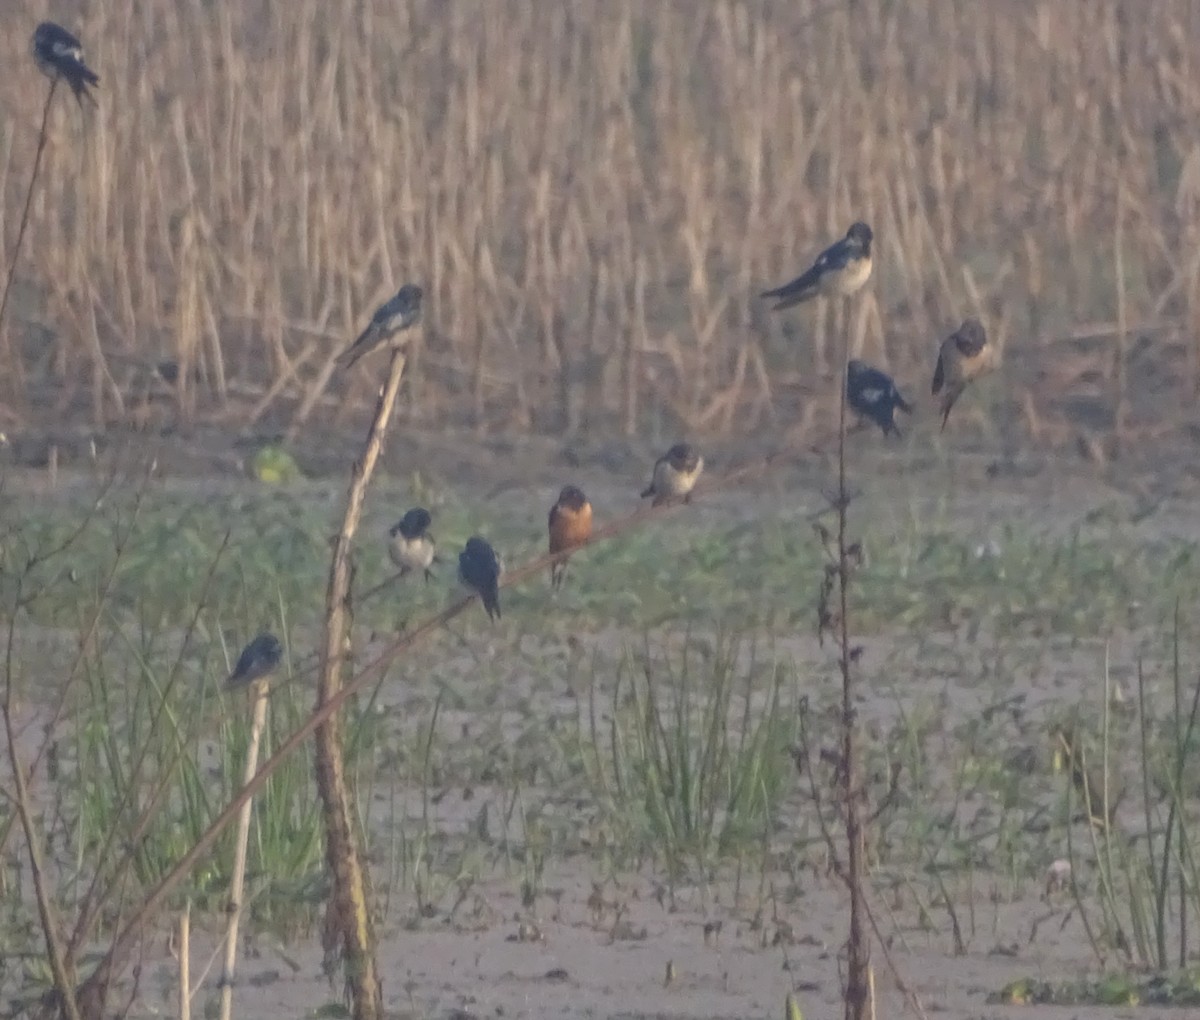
[61, 965]
[237, 882]
[185, 961]
[14, 259]
[684, 159]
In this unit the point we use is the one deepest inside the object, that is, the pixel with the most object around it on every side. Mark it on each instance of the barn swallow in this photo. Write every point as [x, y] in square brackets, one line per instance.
[873, 394]
[60, 55]
[410, 544]
[964, 357]
[570, 524]
[479, 570]
[675, 474]
[840, 269]
[394, 316]
[259, 659]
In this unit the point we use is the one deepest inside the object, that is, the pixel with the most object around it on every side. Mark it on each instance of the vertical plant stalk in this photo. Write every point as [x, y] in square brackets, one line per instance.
[1121, 340]
[858, 970]
[185, 962]
[238, 884]
[43, 134]
[61, 965]
[348, 912]
[1183, 740]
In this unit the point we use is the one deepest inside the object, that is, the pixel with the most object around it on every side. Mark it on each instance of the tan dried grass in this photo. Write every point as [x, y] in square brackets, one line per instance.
[593, 193]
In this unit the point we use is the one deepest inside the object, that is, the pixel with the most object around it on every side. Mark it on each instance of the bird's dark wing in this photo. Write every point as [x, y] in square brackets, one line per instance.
[259, 658]
[60, 40]
[68, 56]
[404, 303]
[384, 312]
[836, 256]
[364, 343]
[939, 376]
[804, 286]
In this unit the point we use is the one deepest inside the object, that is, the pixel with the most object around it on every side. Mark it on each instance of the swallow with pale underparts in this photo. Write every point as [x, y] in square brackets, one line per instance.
[675, 474]
[391, 318]
[840, 270]
[411, 545]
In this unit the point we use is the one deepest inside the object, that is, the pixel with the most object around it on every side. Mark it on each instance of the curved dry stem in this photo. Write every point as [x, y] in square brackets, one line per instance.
[348, 912]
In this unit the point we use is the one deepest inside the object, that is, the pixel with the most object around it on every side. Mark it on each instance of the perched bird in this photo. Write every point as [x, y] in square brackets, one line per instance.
[410, 544]
[60, 55]
[259, 659]
[479, 570]
[873, 394]
[570, 525]
[840, 269]
[675, 474]
[394, 316]
[964, 357]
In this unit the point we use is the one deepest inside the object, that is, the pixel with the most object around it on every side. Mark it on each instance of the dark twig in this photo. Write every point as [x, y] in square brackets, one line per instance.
[37, 162]
[858, 975]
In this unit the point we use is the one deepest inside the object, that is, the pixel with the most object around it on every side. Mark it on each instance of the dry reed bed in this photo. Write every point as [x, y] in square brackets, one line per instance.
[592, 194]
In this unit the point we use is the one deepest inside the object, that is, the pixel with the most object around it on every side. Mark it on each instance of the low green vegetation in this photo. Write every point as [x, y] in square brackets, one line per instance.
[1015, 582]
[671, 710]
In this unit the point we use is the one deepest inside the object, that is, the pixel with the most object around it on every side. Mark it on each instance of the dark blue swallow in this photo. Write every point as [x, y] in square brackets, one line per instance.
[393, 316]
[411, 545]
[479, 570]
[840, 270]
[259, 659]
[873, 394]
[60, 55]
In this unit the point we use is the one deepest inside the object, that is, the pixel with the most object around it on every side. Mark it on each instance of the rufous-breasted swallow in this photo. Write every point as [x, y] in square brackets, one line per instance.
[965, 355]
[675, 474]
[392, 317]
[259, 659]
[60, 55]
[479, 570]
[873, 395]
[570, 524]
[840, 270]
[411, 545]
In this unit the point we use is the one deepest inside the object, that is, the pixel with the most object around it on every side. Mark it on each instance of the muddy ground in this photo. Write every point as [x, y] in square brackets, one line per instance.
[576, 955]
